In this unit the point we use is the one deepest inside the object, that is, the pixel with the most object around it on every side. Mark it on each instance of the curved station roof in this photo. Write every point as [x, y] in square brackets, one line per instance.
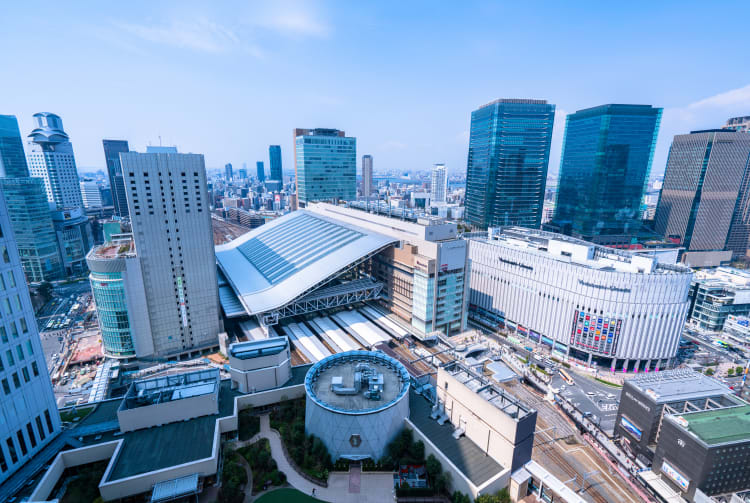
[274, 264]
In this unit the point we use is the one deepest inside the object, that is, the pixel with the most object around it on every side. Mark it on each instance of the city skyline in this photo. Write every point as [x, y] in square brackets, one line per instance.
[175, 43]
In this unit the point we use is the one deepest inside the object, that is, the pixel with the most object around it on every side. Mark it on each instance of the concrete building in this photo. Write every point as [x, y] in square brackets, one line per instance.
[325, 165]
[738, 124]
[647, 399]
[705, 197]
[260, 365]
[737, 331]
[74, 239]
[367, 186]
[593, 304]
[117, 286]
[112, 150]
[274, 159]
[439, 184]
[228, 173]
[717, 293]
[51, 158]
[704, 451]
[479, 432]
[28, 413]
[357, 402]
[174, 242]
[425, 277]
[92, 196]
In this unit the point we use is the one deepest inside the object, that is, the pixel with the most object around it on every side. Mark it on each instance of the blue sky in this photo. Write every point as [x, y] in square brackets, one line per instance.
[227, 79]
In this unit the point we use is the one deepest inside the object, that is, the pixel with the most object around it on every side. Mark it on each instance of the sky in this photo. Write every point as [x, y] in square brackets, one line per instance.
[227, 79]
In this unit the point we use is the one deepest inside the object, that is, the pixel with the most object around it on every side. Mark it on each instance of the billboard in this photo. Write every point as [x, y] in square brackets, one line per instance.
[676, 476]
[631, 428]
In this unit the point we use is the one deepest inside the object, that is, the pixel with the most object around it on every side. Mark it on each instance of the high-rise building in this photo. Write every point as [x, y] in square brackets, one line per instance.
[169, 211]
[243, 173]
[117, 285]
[366, 176]
[274, 156]
[507, 164]
[74, 239]
[51, 158]
[92, 196]
[604, 170]
[112, 150]
[28, 208]
[28, 413]
[325, 165]
[705, 198]
[439, 186]
[261, 171]
[741, 124]
[228, 175]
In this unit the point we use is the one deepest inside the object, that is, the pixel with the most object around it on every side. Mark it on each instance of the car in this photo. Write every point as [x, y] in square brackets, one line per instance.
[590, 393]
[610, 396]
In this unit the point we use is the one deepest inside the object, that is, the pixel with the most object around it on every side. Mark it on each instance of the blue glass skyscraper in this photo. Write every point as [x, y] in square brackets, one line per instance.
[604, 170]
[28, 209]
[112, 150]
[325, 165]
[261, 171]
[274, 156]
[507, 165]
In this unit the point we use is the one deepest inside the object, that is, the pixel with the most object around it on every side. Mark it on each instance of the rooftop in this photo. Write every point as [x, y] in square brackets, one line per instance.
[357, 381]
[254, 349]
[496, 396]
[272, 265]
[172, 387]
[116, 249]
[718, 426]
[463, 453]
[678, 384]
[574, 251]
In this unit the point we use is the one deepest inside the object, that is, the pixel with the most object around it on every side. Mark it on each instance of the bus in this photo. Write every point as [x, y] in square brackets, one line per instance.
[566, 377]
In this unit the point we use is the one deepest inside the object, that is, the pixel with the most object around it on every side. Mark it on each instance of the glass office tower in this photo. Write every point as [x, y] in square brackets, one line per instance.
[274, 156]
[325, 165]
[112, 150]
[507, 165]
[604, 170]
[261, 171]
[28, 208]
[28, 413]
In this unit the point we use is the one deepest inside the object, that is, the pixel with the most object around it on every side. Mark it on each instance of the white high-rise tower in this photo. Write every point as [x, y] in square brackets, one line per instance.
[439, 183]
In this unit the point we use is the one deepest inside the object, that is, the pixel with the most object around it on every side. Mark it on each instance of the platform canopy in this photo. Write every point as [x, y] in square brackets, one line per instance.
[272, 265]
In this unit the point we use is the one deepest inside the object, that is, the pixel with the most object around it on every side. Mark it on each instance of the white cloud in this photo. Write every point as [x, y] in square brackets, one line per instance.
[200, 35]
[293, 21]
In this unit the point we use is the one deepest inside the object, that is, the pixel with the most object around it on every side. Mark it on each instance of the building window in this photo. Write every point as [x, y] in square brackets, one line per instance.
[49, 421]
[39, 427]
[11, 450]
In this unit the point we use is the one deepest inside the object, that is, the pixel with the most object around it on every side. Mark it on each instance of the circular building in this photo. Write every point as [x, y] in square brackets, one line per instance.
[356, 403]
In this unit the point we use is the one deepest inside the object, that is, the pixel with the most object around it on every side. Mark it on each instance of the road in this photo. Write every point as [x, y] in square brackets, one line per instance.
[591, 397]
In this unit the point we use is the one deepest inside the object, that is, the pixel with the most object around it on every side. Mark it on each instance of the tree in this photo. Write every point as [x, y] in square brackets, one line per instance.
[459, 497]
[434, 468]
[738, 370]
[730, 372]
[709, 371]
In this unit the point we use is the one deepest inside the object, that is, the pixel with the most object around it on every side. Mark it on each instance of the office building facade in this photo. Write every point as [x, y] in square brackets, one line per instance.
[74, 239]
[228, 172]
[92, 196]
[28, 412]
[174, 242]
[507, 164]
[586, 302]
[606, 160]
[51, 158]
[439, 184]
[260, 170]
[706, 193]
[274, 157]
[28, 209]
[112, 150]
[325, 165]
[715, 294]
[367, 176]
